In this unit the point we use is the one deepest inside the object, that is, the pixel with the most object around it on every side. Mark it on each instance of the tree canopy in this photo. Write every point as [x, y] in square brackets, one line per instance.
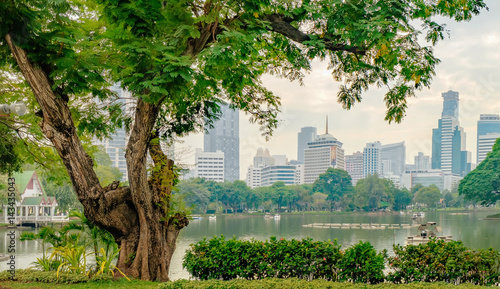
[482, 185]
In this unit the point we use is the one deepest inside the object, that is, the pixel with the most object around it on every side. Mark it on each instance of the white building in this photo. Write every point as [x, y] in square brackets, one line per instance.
[354, 166]
[372, 159]
[267, 169]
[34, 207]
[393, 158]
[485, 144]
[209, 165]
[426, 178]
[323, 153]
[422, 162]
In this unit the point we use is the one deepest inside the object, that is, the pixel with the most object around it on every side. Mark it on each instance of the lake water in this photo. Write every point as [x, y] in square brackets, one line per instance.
[469, 228]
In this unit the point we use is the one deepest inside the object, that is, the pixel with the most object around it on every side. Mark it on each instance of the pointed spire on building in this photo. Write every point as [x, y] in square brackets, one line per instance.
[326, 124]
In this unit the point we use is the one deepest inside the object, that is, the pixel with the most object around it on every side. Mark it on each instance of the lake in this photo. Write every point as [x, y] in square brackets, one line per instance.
[469, 228]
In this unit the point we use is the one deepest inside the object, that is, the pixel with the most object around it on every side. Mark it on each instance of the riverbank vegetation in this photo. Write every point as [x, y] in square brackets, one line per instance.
[331, 192]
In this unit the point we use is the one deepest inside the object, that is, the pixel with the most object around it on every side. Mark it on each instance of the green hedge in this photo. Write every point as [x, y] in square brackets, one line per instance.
[435, 261]
[300, 284]
[26, 275]
[222, 259]
[450, 262]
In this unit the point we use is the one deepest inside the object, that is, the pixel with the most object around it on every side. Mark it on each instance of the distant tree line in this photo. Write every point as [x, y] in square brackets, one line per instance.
[332, 191]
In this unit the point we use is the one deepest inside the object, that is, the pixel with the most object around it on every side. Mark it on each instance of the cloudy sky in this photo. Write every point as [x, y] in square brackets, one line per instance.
[470, 64]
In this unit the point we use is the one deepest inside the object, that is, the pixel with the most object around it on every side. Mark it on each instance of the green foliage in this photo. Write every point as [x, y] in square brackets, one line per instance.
[482, 185]
[30, 275]
[218, 258]
[429, 196]
[10, 161]
[361, 263]
[336, 184]
[274, 283]
[449, 262]
[222, 259]
[372, 191]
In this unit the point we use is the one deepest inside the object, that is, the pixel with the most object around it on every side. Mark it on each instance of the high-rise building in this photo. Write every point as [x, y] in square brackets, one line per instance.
[488, 130]
[307, 134]
[278, 173]
[209, 165]
[116, 144]
[224, 136]
[323, 153]
[422, 162]
[354, 166]
[372, 159]
[393, 158]
[448, 140]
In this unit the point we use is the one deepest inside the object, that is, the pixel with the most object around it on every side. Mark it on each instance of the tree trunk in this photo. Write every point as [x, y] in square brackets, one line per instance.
[138, 216]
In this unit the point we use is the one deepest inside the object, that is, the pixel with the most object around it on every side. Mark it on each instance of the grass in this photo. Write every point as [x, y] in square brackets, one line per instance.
[235, 284]
[121, 283]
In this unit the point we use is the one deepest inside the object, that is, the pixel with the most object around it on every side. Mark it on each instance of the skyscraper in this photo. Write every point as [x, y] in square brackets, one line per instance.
[372, 159]
[488, 130]
[448, 140]
[307, 134]
[322, 153]
[394, 156]
[224, 136]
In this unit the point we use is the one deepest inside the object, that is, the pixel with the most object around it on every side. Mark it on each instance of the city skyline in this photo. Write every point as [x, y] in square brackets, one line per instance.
[469, 65]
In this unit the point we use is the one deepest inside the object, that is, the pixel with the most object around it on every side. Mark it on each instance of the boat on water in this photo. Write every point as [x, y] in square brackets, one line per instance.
[418, 215]
[277, 216]
[427, 231]
[213, 217]
[268, 216]
[195, 217]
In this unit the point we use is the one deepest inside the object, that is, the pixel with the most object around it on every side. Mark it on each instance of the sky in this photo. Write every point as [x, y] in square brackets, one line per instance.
[470, 64]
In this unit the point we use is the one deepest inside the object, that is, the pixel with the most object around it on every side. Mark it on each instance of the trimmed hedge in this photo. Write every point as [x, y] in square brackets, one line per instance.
[27, 275]
[450, 262]
[435, 261]
[304, 259]
[301, 284]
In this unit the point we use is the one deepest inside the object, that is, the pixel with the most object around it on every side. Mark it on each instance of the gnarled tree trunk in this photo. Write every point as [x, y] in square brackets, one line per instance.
[138, 216]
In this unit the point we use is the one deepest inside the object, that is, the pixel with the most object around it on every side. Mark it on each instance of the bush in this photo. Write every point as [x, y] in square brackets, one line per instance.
[362, 263]
[450, 262]
[27, 275]
[304, 259]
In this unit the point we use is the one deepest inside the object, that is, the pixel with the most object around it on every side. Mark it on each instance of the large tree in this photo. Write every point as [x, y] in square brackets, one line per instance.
[482, 185]
[335, 183]
[179, 60]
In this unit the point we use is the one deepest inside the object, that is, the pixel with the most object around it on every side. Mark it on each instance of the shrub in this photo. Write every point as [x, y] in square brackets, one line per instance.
[220, 259]
[26, 275]
[361, 263]
[450, 262]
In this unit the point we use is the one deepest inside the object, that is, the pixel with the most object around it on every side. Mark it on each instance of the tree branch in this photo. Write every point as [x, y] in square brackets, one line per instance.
[281, 24]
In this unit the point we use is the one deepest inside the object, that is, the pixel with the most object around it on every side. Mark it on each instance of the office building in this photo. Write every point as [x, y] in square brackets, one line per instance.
[448, 140]
[430, 177]
[224, 136]
[354, 166]
[307, 134]
[393, 158]
[322, 153]
[422, 162]
[278, 173]
[209, 165]
[372, 159]
[267, 169]
[488, 130]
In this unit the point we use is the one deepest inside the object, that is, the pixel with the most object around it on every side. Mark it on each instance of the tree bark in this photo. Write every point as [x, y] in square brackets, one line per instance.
[138, 216]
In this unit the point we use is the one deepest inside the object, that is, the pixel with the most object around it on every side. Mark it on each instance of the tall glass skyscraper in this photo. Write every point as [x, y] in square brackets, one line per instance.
[488, 130]
[225, 136]
[307, 134]
[448, 140]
